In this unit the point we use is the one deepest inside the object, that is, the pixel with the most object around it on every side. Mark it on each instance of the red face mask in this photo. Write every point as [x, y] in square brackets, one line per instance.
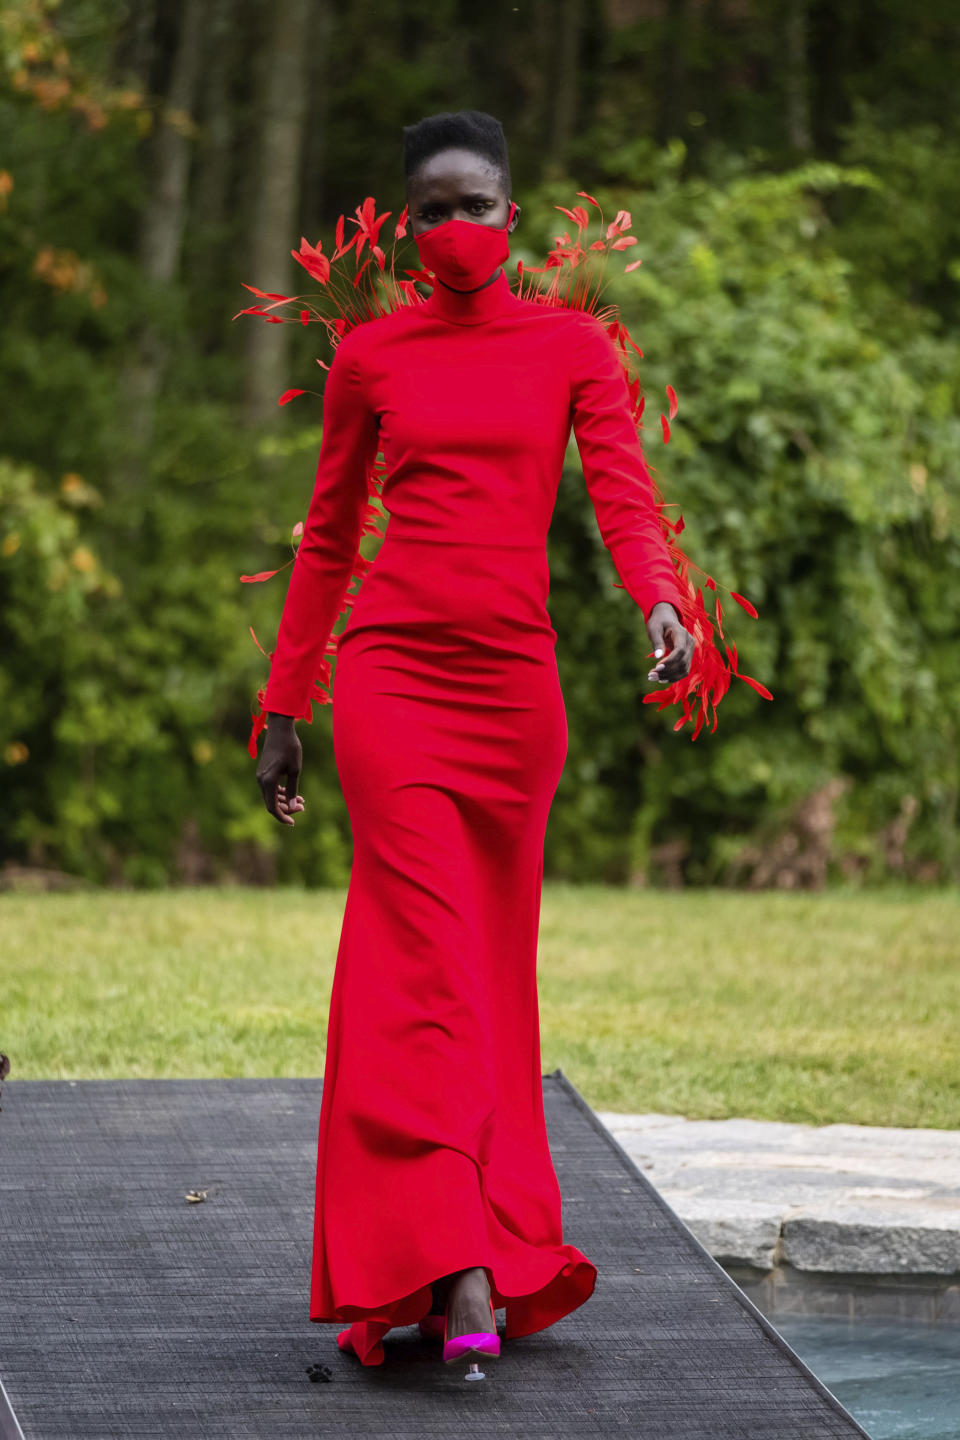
[463, 253]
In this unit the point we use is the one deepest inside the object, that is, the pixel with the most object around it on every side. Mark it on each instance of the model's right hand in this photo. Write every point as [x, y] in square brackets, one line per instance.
[278, 773]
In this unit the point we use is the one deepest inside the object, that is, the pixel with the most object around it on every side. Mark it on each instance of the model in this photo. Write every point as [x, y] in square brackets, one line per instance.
[435, 1189]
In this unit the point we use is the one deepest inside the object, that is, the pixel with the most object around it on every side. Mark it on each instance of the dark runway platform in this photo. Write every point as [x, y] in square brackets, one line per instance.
[129, 1312]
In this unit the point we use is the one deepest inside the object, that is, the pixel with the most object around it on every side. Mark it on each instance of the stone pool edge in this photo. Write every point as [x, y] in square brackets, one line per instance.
[850, 1220]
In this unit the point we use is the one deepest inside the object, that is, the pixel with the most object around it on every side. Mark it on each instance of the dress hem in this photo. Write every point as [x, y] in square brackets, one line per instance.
[526, 1313]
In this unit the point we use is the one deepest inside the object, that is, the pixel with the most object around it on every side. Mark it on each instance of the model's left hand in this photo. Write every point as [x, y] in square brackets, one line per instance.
[670, 641]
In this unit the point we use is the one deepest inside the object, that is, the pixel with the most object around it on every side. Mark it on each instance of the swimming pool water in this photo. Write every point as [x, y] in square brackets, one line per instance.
[900, 1381]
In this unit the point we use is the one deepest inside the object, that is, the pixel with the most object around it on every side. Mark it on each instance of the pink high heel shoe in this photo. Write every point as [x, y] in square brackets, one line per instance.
[482, 1342]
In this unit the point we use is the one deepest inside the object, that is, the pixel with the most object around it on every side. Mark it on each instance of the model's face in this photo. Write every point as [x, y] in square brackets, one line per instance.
[456, 185]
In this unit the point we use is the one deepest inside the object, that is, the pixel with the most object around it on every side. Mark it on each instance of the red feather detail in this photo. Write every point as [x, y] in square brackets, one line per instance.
[568, 277]
[742, 600]
[262, 575]
[289, 395]
[264, 294]
[579, 216]
[259, 723]
[760, 689]
[257, 642]
[312, 261]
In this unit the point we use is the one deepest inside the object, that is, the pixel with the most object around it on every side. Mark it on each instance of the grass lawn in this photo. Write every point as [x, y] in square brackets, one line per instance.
[833, 1007]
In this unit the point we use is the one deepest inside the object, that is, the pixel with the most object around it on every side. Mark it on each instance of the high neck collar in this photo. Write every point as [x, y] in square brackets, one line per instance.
[470, 307]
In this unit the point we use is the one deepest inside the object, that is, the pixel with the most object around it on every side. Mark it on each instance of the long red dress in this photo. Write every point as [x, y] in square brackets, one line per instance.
[450, 735]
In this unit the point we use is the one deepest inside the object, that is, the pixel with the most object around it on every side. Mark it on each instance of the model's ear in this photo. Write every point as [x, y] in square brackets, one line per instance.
[514, 215]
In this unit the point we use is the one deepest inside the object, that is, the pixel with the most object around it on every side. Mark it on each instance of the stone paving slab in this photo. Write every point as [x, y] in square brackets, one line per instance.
[850, 1199]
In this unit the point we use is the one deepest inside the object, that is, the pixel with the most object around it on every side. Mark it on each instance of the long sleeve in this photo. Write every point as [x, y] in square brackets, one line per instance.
[615, 471]
[325, 557]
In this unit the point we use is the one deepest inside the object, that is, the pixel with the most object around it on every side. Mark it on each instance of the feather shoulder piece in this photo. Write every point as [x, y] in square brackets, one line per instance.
[359, 281]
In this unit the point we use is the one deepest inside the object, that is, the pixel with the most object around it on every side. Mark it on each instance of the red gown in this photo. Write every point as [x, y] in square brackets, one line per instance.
[450, 735]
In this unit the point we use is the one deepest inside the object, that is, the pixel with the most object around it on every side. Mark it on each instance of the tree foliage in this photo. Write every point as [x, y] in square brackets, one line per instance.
[793, 179]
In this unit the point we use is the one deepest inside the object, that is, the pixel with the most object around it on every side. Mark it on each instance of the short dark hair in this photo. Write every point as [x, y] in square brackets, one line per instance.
[461, 129]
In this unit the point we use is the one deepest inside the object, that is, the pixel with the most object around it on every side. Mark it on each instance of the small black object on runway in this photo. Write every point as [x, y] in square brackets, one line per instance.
[130, 1312]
